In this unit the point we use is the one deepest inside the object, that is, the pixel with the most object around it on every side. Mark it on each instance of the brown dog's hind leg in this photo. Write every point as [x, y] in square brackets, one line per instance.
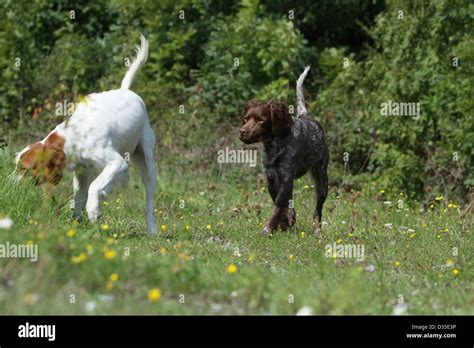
[321, 181]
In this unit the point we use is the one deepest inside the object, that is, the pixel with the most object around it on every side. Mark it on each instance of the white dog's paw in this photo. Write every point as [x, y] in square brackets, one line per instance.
[93, 214]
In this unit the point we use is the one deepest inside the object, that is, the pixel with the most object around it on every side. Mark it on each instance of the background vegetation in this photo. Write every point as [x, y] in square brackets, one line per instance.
[193, 63]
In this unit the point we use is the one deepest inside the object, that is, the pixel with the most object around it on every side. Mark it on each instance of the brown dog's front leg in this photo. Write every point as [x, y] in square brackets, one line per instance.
[291, 216]
[284, 222]
[274, 220]
[280, 209]
[288, 218]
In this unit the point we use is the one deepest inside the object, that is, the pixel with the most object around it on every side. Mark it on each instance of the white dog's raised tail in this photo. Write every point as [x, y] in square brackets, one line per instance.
[301, 107]
[140, 59]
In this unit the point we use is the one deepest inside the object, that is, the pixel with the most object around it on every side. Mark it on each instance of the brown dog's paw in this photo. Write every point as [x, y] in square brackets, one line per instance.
[284, 225]
[317, 230]
[267, 232]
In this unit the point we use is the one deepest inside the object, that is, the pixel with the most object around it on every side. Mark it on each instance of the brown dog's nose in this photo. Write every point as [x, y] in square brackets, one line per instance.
[242, 132]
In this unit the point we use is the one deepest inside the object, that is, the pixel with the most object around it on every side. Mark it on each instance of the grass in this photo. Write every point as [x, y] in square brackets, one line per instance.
[210, 225]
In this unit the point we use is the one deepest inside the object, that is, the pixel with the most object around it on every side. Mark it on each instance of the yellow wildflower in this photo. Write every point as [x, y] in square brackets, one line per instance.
[79, 258]
[110, 254]
[154, 295]
[231, 268]
[89, 248]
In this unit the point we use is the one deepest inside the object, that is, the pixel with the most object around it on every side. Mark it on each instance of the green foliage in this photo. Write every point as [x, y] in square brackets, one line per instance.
[411, 61]
[329, 23]
[213, 56]
[45, 54]
[250, 56]
[331, 62]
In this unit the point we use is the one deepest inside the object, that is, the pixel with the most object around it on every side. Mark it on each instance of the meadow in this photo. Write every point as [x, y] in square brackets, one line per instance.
[209, 256]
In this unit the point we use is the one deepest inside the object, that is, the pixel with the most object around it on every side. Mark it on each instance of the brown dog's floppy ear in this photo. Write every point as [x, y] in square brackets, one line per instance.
[281, 118]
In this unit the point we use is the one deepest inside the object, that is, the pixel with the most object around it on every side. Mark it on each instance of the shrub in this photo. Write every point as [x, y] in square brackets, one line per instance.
[411, 61]
[250, 56]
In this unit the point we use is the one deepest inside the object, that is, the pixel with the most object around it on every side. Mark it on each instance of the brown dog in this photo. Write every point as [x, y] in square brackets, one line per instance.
[292, 147]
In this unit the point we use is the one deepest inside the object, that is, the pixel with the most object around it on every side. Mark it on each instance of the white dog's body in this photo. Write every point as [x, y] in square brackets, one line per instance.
[105, 131]
[123, 122]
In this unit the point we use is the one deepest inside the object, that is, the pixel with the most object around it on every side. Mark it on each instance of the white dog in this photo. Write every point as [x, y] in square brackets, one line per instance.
[105, 130]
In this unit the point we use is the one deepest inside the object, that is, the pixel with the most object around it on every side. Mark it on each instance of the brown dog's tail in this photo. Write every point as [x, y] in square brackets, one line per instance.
[301, 105]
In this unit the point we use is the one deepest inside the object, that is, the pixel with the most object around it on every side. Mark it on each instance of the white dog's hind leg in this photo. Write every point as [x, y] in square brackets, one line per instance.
[143, 157]
[114, 173]
[81, 186]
